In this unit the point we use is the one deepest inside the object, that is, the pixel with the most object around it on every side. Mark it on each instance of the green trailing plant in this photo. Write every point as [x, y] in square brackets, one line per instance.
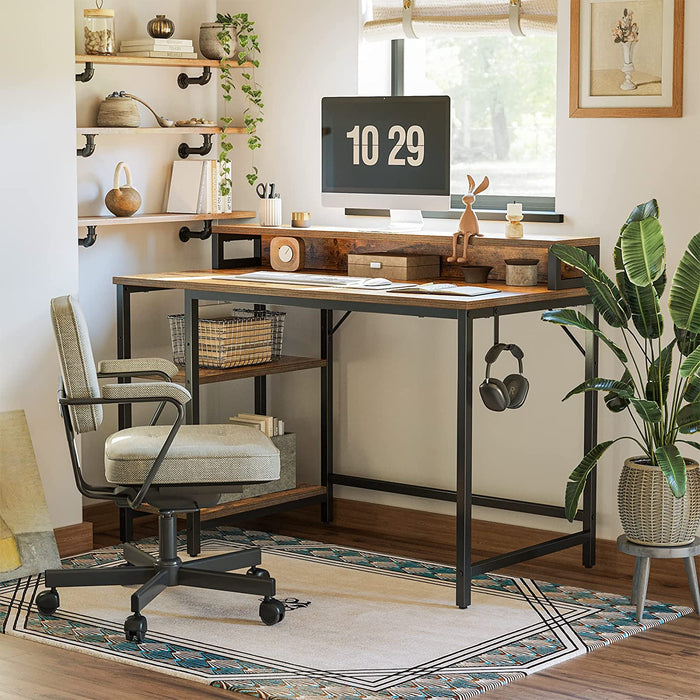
[659, 385]
[240, 28]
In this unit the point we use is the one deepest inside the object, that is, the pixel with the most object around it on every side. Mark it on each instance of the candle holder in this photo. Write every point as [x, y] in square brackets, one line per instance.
[514, 229]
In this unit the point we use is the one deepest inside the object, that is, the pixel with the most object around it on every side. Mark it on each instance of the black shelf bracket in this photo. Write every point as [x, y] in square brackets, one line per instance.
[185, 149]
[90, 239]
[186, 234]
[89, 148]
[184, 80]
[86, 75]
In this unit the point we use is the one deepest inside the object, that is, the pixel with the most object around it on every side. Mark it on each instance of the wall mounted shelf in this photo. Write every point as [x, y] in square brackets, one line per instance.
[183, 80]
[92, 222]
[184, 149]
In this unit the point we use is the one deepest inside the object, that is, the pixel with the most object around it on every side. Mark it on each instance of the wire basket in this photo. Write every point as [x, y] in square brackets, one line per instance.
[245, 338]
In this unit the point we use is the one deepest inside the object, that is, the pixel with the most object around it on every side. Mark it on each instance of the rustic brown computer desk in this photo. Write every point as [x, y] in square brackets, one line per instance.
[209, 285]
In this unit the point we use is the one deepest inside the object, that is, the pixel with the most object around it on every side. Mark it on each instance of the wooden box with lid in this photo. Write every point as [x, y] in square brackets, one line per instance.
[395, 266]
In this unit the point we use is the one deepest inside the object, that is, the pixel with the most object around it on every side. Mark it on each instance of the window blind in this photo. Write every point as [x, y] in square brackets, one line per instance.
[399, 19]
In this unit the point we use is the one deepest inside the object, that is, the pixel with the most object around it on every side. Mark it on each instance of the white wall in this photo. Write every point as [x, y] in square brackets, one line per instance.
[39, 254]
[394, 376]
[134, 249]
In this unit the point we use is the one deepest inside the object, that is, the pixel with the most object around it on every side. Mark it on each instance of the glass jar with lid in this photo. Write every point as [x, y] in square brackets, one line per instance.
[99, 31]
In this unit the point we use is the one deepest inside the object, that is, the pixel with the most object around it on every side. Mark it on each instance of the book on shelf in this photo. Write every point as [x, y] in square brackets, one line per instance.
[185, 186]
[271, 426]
[153, 41]
[159, 54]
[195, 188]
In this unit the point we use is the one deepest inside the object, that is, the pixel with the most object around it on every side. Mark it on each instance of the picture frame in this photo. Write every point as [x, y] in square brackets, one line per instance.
[626, 58]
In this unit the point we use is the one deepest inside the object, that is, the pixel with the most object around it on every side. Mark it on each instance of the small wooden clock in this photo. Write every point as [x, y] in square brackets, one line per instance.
[287, 253]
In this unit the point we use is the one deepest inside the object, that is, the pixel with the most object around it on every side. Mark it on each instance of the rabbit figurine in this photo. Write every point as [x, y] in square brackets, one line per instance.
[468, 223]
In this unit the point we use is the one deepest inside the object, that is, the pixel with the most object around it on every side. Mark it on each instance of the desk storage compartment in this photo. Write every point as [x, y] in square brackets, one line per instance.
[394, 266]
[245, 338]
[287, 445]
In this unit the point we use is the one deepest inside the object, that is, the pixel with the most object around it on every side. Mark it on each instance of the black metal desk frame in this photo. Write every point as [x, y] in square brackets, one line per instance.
[462, 496]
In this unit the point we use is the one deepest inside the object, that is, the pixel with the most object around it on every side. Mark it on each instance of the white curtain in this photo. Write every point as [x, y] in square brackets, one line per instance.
[397, 19]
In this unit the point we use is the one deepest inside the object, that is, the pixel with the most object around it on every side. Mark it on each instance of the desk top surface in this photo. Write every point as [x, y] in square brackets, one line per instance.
[211, 281]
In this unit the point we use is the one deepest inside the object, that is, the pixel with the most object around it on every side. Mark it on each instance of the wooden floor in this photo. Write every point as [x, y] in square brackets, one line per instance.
[661, 663]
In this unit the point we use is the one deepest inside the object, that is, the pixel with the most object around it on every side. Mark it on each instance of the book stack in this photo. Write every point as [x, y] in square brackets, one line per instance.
[158, 48]
[271, 426]
[195, 188]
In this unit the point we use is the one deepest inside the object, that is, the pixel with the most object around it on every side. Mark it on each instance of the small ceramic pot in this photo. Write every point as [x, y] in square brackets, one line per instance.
[521, 273]
[160, 27]
[123, 201]
[209, 44]
[475, 274]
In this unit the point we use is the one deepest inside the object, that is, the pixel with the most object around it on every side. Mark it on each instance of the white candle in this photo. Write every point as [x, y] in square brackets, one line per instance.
[514, 209]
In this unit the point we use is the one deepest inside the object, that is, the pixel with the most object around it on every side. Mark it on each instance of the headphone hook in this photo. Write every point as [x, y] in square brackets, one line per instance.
[496, 327]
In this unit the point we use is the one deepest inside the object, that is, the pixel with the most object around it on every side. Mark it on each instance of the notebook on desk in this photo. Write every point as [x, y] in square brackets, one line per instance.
[449, 289]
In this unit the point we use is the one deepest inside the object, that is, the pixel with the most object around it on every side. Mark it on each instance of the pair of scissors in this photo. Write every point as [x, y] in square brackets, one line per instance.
[262, 190]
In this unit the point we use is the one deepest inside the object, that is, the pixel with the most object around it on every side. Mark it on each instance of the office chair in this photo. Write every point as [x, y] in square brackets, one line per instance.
[177, 469]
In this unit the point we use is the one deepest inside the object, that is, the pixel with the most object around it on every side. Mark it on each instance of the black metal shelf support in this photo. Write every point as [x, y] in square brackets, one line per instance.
[185, 149]
[90, 239]
[184, 80]
[89, 148]
[86, 75]
[186, 234]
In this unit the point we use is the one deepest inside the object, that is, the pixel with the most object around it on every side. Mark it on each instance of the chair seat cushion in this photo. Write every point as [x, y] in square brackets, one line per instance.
[200, 454]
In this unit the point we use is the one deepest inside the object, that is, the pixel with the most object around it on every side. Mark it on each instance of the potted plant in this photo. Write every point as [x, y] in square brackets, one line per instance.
[659, 491]
[233, 37]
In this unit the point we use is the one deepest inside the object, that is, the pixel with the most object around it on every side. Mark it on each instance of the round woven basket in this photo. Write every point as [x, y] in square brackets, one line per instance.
[649, 511]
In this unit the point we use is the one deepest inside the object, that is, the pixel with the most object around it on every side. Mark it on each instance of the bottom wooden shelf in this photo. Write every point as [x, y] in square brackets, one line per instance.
[286, 363]
[303, 492]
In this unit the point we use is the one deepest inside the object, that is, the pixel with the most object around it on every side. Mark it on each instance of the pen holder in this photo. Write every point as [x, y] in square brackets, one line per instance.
[270, 212]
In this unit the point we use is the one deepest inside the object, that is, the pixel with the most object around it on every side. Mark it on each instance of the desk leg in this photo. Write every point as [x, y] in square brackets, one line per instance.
[123, 345]
[260, 382]
[126, 515]
[465, 378]
[192, 408]
[590, 439]
[192, 356]
[327, 413]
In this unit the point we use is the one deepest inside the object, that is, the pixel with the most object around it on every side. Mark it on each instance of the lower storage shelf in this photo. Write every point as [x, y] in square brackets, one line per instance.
[266, 502]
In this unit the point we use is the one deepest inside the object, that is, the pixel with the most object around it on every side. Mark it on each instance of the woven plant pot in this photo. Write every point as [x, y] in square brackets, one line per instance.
[649, 511]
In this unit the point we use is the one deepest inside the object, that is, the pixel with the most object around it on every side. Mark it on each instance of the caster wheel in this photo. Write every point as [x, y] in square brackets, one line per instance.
[48, 601]
[135, 628]
[260, 573]
[271, 611]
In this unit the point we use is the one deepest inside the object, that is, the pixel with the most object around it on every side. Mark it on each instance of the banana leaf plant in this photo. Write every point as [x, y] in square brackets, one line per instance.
[659, 381]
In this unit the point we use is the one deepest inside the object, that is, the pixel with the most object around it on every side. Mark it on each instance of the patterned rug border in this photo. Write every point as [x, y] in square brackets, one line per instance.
[575, 621]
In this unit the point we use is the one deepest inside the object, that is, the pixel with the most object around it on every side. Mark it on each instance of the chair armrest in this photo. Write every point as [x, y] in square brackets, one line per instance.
[137, 367]
[147, 390]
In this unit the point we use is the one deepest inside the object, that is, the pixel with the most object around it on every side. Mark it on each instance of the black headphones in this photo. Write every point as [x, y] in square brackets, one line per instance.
[498, 395]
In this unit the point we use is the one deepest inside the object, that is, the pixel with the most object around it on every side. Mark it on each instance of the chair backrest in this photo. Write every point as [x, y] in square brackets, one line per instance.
[77, 363]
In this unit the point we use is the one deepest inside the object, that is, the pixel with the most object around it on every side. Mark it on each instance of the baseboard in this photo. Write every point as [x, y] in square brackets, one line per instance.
[74, 539]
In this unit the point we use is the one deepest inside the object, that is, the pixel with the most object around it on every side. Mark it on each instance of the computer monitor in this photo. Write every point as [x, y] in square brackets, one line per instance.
[386, 152]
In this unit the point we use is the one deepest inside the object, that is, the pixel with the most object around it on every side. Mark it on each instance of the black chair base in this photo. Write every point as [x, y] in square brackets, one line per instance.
[157, 574]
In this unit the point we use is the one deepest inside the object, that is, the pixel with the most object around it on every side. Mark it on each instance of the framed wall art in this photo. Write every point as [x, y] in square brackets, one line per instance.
[626, 58]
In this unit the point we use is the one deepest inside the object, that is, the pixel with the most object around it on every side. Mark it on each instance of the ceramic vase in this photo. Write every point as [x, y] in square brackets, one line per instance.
[209, 44]
[627, 65]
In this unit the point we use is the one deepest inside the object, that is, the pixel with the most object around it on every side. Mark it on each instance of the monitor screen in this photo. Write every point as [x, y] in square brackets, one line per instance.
[386, 152]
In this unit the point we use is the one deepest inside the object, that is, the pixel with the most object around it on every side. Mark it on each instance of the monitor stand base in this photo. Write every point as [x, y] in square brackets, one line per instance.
[406, 220]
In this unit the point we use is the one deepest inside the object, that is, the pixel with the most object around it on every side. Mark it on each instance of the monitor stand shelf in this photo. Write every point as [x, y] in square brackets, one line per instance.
[327, 249]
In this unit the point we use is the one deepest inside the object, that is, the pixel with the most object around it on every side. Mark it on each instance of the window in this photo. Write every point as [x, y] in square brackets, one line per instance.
[503, 91]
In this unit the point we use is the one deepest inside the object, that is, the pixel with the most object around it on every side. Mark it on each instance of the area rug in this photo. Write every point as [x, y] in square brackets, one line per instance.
[358, 624]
